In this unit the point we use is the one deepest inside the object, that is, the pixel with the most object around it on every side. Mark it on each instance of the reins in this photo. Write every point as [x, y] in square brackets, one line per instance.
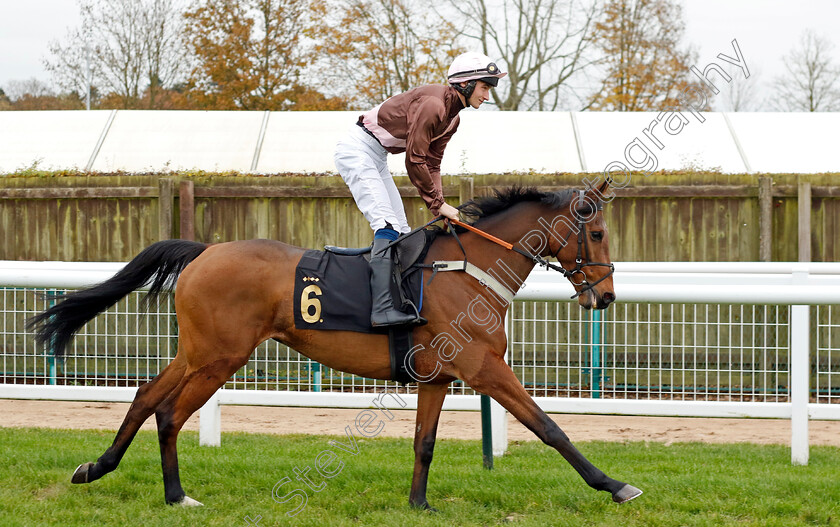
[583, 250]
[509, 246]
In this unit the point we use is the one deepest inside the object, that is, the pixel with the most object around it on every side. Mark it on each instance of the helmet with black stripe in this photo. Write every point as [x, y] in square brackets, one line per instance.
[470, 67]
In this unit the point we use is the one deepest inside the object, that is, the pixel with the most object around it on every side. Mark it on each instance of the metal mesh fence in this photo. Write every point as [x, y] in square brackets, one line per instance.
[826, 367]
[703, 352]
[652, 351]
[124, 346]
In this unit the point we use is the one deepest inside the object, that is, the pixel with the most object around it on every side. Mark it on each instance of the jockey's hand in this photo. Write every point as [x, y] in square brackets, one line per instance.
[449, 212]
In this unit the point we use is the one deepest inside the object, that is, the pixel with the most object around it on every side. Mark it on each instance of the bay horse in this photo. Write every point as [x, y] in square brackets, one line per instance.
[232, 296]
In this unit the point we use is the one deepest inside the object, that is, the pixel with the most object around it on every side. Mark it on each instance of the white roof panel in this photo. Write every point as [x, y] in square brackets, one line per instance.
[49, 140]
[140, 141]
[303, 141]
[486, 142]
[696, 145]
[784, 142]
[489, 142]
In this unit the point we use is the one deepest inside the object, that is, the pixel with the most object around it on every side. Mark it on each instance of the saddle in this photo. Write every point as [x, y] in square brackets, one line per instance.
[332, 292]
[408, 251]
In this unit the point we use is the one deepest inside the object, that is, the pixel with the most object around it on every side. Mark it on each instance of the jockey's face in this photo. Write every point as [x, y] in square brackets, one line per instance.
[480, 94]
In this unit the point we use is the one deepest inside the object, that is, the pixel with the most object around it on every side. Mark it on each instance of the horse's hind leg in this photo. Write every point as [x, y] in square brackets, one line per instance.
[497, 380]
[146, 401]
[194, 390]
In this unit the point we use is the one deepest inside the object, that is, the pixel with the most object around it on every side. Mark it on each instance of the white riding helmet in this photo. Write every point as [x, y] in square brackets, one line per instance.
[473, 66]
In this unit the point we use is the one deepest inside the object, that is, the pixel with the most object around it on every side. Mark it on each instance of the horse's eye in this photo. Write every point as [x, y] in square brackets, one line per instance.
[597, 236]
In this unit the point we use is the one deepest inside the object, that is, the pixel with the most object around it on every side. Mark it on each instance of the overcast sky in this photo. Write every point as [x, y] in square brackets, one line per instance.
[766, 30]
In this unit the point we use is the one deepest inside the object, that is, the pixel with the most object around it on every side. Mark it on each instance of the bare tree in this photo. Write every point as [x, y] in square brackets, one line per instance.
[542, 43]
[123, 47]
[373, 49]
[33, 87]
[741, 93]
[810, 84]
[166, 62]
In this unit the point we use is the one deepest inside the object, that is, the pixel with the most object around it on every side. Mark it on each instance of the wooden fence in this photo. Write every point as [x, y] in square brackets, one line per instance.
[665, 217]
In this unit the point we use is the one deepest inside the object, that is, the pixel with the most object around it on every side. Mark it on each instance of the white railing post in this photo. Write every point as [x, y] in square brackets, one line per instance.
[499, 418]
[210, 422]
[498, 414]
[800, 351]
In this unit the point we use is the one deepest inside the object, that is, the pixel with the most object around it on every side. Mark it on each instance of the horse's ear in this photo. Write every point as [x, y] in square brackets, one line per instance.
[604, 186]
[599, 192]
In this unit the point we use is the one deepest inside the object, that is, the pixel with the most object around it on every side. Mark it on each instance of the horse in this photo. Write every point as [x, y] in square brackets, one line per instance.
[232, 296]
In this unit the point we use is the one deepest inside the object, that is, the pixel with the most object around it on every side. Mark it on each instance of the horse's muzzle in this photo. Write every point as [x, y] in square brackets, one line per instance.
[590, 299]
[606, 299]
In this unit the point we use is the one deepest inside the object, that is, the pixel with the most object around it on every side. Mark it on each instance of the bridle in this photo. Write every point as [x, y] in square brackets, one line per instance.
[582, 252]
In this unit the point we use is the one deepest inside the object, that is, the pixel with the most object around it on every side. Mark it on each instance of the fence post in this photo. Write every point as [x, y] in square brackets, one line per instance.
[595, 327]
[466, 189]
[165, 197]
[804, 201]
[51, 350]
[315, 367]
[498, 414]
[187, 210]
[765, 218]
[499, 421]
[210, 422]
[800, 391]
[486, 432]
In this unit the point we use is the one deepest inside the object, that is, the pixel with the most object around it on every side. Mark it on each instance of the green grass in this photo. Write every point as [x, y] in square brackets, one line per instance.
[684, 484]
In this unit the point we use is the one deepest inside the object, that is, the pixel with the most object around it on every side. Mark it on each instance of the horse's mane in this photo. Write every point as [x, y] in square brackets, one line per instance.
[506, 198]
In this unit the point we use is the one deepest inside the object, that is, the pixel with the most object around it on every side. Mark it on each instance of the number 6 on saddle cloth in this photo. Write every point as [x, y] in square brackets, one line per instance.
[332, 292]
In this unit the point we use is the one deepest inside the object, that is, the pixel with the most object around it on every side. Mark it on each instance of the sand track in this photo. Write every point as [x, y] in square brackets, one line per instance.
[457, 425]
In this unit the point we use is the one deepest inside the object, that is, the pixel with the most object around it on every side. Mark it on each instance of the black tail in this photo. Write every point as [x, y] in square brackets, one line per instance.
[159, 263]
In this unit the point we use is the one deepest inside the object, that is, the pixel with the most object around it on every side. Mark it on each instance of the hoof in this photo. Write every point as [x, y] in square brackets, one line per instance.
[626, 493]
[186, 501]
[81, 474]
[424, 507]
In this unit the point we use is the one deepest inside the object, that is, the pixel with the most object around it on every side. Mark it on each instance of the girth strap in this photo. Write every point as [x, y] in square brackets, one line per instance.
[400, 342]
[482, 276]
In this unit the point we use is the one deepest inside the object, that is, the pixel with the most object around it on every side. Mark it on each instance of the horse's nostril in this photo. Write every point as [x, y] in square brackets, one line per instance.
[609, 297]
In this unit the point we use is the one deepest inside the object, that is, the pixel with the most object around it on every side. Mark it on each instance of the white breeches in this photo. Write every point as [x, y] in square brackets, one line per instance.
[363, 164]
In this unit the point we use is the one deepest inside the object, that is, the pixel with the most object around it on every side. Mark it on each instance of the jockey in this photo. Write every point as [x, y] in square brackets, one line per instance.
[420, 123]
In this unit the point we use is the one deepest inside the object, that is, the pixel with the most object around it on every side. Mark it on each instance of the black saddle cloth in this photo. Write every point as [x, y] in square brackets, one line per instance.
[332, 291]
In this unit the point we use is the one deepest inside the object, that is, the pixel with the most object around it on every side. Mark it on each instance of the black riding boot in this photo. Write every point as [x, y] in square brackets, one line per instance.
[383, 312]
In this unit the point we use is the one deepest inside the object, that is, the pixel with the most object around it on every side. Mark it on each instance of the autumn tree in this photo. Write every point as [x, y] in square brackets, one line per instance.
[251, 54]
[542, 44]
[5, 102]
[645, 65]
[125, 48]
[374, 49]
[33, 94]
[810, 80]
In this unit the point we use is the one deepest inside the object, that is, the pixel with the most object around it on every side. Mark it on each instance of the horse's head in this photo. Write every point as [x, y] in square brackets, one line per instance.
[567, 225]
[578, 238]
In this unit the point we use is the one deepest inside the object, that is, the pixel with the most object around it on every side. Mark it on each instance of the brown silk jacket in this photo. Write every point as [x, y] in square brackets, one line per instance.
[420, 123]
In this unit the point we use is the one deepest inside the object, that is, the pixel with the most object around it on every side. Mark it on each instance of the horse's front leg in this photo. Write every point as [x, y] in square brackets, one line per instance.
[429, 402]
[496, 379]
